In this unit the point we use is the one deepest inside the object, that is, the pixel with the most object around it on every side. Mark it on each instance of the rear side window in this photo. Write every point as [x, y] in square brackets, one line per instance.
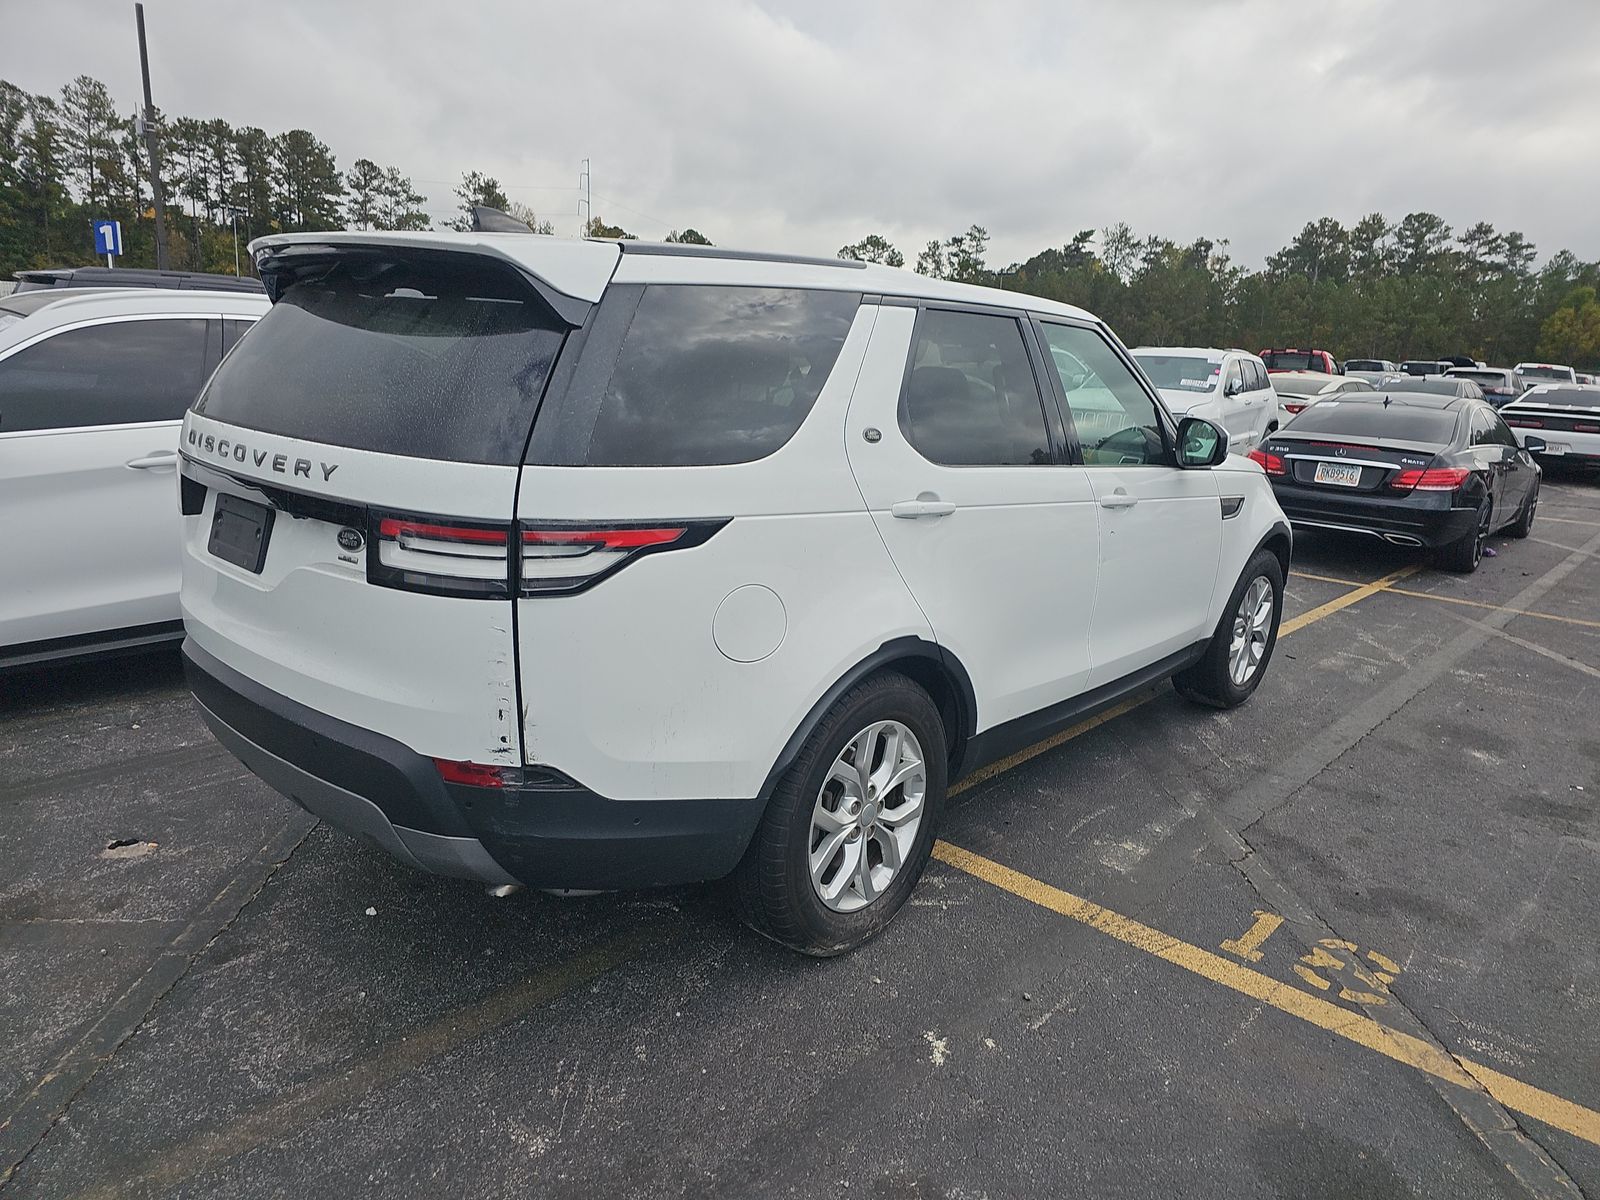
[1366, 419]
[431, 356]
[232, 330]
[120, 373]
[970, 398]
[701, 376]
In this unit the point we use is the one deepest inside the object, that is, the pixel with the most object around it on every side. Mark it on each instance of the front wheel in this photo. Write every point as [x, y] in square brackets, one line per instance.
[851, 824]
[1240, 648]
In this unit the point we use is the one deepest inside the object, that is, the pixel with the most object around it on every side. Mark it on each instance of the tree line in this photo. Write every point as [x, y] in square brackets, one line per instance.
[1415, 288]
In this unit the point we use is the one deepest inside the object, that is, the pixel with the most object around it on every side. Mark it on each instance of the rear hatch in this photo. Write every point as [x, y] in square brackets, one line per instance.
[350, 476]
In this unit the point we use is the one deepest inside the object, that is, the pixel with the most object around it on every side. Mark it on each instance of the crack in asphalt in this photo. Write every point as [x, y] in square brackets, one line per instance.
[43, 1106]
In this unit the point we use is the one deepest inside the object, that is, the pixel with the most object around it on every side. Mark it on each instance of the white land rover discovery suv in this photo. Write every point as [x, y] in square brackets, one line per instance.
[598, 565]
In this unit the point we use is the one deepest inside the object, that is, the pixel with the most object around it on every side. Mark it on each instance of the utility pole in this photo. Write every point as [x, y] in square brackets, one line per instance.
[587, 200]
[152, 146]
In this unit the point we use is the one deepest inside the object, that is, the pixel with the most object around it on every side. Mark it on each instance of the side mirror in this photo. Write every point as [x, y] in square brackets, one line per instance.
[1533, 445]
[1200, 443]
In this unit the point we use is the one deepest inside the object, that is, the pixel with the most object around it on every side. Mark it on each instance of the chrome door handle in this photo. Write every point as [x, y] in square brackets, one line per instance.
[154, 462]
[925, 505]
[1118, 499]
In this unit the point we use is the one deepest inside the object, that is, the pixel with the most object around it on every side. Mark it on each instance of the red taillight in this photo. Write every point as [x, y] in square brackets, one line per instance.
[559, 559]
[1524, 422]
[609, 539]
[1270, 463]
[1293, 406]
[1430, 479]
[446, 557]
[394, 527]
[1585, 428]
[470, 773]
[441, 557]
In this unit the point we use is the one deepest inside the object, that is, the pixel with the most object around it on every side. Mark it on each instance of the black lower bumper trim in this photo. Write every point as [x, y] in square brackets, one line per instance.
[551, 835]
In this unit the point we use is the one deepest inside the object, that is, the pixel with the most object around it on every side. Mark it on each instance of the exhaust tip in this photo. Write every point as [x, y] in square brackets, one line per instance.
[1401, 539]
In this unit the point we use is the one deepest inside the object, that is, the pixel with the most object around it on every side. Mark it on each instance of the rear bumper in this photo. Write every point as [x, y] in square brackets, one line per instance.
[1403, 521]
[550, 834]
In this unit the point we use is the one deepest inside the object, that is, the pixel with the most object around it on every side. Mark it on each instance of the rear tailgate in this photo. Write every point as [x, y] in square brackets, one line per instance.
[362, 447]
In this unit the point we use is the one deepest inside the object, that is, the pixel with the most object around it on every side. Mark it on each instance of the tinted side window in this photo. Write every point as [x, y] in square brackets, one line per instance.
[970, 397]
[1233, 382]
[1116, 421]
[232, 330]
[120, 373]
[1489, 430]
[704, 375]
[1503, 434]
[1259, 375]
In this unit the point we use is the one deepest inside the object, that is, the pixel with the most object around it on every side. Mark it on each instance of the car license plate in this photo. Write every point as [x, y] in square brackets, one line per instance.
[1555, 448]
[1343, 474]
[239, 532]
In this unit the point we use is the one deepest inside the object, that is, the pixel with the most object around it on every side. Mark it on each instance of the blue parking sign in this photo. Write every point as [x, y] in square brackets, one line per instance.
[108, 237]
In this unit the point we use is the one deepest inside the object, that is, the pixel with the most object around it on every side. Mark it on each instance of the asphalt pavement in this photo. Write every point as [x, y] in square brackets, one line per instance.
[1339, 942]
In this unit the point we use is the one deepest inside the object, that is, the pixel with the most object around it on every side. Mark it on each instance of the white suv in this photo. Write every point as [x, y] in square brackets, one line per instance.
[1229, 388]
[93, 385]
[598, 565]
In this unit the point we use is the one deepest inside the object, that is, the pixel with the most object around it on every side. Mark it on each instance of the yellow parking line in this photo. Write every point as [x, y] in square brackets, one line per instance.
[1553, 1110]
[1521, 612]
[999, 767]
[1345, 601]
[1298, 574]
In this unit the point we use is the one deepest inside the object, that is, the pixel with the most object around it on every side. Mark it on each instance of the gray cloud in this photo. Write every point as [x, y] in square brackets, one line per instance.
[803, 126]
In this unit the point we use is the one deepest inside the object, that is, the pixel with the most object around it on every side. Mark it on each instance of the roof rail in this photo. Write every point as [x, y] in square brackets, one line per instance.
[692, 250]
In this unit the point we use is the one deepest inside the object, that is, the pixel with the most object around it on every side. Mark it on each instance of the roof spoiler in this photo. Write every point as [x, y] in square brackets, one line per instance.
[284, 265]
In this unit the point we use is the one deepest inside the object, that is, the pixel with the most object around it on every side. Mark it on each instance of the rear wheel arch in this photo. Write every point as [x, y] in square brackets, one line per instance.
[935, 670]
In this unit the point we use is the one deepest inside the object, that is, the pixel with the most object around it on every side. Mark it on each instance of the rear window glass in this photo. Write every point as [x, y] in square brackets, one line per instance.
[1181, 373]
[1293, 360]
[1450, 385]
[703, 375]
[1565, 374]
[1366, 364]
[1365, 419]
[432, 356]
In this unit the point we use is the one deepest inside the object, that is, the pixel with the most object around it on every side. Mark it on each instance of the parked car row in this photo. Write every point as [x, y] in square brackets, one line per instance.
[595, 564]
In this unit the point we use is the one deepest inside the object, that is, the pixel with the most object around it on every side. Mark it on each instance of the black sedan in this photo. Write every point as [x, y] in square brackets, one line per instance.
[1441, 472]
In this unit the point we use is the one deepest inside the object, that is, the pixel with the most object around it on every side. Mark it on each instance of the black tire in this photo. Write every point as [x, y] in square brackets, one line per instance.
[773, 883]
[1465, 553]
[1523, 525]
[1210, 681]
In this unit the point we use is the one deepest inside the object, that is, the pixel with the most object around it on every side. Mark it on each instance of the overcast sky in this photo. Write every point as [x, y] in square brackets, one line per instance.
[803, 126]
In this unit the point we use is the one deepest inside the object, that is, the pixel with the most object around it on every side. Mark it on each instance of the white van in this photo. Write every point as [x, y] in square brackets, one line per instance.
[597, 565]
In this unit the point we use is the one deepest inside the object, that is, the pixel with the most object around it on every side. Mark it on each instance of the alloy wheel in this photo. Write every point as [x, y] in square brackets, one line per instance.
[866, 816]
[1252, 625]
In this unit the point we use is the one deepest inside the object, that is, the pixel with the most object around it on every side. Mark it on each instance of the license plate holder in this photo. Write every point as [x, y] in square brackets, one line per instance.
[1340, 474]
[240, 530]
